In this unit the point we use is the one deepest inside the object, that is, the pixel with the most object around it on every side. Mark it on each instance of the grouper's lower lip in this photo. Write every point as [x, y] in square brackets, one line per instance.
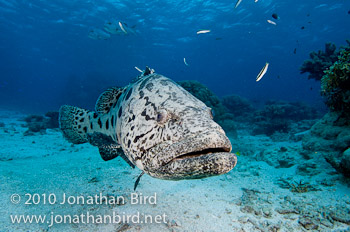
[198, 166]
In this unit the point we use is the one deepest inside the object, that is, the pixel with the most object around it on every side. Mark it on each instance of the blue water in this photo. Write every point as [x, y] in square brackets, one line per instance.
[47, 58]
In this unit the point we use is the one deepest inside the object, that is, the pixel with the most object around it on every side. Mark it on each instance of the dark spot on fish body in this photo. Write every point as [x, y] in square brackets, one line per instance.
[140, 136]
[164, 82]
[114, 104]
[107, 124]
[79, 126]
[85, 129]
[151, 137]
[95, 115]
[120, 112]
[99, 122]
[91, 126]
[129, 143]
[141, 94]
[81, 114]
[132, 128]
[112, 121]
[149, 87]
[131, 119]
[81, 120]
[76, 118]
[127, 96]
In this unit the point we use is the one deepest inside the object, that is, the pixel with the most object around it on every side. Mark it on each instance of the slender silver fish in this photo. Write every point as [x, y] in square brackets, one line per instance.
[122, 28]
[185, 62]
[271, 22]
[203, 32]
[237, 3]
[262, 72]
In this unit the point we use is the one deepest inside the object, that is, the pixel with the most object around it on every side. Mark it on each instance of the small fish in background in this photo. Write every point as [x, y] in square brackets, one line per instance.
[302, 28]
[218, 38]
[98, 34]
[112, 27]
[272, 22]
[275, 16]
[295, 51]
[202, 32]
[262, 72]
[185, 62]
[237, 3]
[349, 12]
[237, 153]
[122, 27]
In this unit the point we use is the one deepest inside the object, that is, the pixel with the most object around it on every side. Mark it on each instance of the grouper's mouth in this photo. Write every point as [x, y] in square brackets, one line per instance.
[204, 152]
[197, 157]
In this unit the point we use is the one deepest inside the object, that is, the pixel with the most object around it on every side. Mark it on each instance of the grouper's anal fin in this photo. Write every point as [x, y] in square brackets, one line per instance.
[107, 147]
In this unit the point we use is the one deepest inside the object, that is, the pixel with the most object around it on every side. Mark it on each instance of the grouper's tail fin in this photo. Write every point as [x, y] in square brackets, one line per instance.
[74, 123]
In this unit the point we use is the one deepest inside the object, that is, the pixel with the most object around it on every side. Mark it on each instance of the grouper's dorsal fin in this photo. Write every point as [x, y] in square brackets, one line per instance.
[107, 99]
[107, 147]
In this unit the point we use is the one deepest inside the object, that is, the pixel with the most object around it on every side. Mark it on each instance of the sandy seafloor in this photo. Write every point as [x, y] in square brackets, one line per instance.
[246, 199]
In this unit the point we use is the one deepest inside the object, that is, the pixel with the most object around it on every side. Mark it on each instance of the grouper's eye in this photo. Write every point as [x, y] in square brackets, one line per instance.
[162, 116]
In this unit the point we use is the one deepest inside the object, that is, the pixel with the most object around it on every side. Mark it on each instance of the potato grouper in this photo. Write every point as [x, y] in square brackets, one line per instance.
[156, 125]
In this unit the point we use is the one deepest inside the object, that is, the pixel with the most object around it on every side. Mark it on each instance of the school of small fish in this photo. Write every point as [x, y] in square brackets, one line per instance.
[114, 27]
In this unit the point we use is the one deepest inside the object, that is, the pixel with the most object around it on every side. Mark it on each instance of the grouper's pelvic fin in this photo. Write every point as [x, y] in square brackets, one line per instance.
[74, 123]
[107, 147]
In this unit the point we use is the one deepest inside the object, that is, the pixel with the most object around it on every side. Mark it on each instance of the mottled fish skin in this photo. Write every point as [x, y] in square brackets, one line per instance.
[155, 121]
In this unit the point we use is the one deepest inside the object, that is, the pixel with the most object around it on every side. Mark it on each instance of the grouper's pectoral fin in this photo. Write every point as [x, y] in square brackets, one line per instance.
[107, 99]
[107, 147]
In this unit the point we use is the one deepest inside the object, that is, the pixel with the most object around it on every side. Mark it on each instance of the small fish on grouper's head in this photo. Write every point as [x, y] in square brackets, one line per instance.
[156, 125]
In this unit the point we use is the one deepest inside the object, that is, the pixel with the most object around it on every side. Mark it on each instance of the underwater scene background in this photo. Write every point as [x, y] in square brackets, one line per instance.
[290, 130]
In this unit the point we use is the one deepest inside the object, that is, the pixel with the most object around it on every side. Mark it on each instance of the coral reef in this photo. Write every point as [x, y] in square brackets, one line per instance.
[335, 84]
[240, 107]
[221, 116]
[330, 138]
[39, 123]
[320, 61]
[277, 116]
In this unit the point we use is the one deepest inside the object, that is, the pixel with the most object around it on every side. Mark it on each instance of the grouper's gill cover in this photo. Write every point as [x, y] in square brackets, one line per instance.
[156, 125]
